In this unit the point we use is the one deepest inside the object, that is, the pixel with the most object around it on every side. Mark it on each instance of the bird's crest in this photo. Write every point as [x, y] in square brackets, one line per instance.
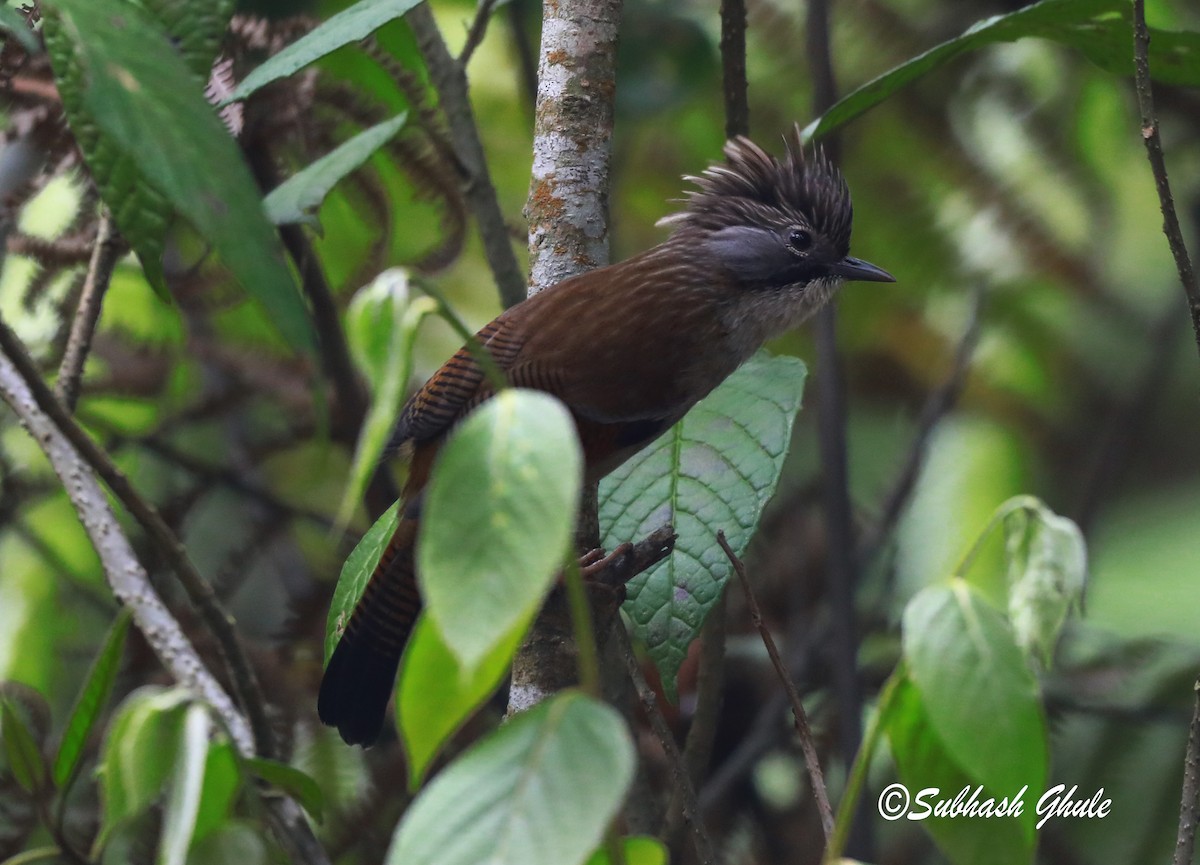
[754, 186]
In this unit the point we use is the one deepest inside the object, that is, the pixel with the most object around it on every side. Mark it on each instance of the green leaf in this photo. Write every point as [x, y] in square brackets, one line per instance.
[351, 25]
[979, 695]
[222, 783]
[231, 842]
[636, 850]
[539, 791]
[96, 690]
[436, 695]
[1047, 571]
[196, 29]
[137, 91]
[1100, 29]
[498, 515]
[297, 784]
[381, 325]
[187, 783]
[356, 573]
[715, 470]
[22, 755]
[924, 766]
[138, 751]
[299, 197]
[12, 21]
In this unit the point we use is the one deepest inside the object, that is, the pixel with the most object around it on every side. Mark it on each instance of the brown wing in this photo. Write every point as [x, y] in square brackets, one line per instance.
[457, 387]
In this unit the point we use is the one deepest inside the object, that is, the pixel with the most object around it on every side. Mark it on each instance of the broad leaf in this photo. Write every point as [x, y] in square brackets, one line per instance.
[498, 515]
[715, 470]
[12, 21]
[356, 573]
[539, 791]
[635, 850]
[1047, 570]
[187, 783]
[930, 775]
[137, 91]
[351, 25]
[979, 695]
[1100, 29]
[437, 696]
[299, 197]
[96, 690]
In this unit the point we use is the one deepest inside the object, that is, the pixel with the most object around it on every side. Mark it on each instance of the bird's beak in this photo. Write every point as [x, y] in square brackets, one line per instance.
[862, 271]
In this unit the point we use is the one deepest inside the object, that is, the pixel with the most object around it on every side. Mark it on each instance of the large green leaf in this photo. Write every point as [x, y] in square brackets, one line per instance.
[978, 692]
[436, 695]
[498, 515]
[539, 791]
[187, 784]
[715, 470]
[931, 775]
[1100, 29]
[350, 25]
[137, 91]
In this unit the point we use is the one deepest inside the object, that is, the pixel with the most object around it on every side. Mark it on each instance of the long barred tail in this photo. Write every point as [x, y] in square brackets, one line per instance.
[361, 673]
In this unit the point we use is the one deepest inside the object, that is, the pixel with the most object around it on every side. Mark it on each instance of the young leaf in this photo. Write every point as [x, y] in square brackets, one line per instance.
[1047, 571]
[297, 784]
[356, 572]
[137, 754]
[498, 514]
[350, 25]
[923, 763]
[539, 791]
[137, 91]
[92, 699]
[436, 696]
[715, 470]
[1100, 29]
[979, 695]
[299, 197]
[187, 782]
[12, 21]
[22, 755]
[381, 324]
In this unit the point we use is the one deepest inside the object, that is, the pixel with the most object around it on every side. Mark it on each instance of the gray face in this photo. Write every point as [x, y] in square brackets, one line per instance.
[770, 257]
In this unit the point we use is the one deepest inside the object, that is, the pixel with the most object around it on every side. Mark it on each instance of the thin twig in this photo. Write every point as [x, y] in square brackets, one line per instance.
[1158, 164]
[483, 14]
[106, 252]
[935, 408]
[803, 730]
[218, 621]
[841, 573]
[733, 65]
[1185, 841]
[691, 807]
[450, 80]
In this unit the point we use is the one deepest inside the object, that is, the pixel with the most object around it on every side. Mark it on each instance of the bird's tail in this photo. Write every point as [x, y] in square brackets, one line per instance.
[361, 672]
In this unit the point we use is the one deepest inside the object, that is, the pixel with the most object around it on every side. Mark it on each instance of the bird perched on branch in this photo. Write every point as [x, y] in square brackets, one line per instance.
[761, 243]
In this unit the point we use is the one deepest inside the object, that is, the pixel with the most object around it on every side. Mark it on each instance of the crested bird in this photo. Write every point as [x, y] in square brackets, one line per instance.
[760, 244]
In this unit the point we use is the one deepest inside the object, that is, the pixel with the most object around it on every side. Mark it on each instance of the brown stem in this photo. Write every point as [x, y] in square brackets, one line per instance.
[803, 730]
[733, 65]
[106, 252]
[1158, 164]
[1189, 812]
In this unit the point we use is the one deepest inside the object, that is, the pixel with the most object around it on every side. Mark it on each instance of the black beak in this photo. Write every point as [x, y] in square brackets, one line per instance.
[862, 271]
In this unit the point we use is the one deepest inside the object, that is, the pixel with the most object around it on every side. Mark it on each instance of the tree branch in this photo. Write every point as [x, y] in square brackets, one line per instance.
[803, 730]
[1158, 164]
[1185, 841]
[733, 65]
[483, 15]
[450, 80]
[107, 251]
[218, 621]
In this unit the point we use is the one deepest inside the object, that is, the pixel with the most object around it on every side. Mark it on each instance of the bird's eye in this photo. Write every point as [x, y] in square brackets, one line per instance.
[799, 239]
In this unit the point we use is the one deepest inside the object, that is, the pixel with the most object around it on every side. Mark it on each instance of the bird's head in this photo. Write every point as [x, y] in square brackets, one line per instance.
[774, 223]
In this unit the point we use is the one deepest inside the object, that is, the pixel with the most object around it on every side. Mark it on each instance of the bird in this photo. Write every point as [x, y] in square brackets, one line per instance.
[760, 244]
